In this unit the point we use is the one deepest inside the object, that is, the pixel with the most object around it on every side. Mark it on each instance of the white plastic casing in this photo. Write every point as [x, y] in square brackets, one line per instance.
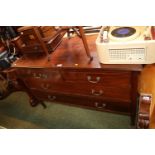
[132, 51]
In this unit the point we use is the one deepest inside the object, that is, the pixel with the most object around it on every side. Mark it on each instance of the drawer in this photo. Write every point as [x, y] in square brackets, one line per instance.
[45, 85]
[107, 78]
[96, 91]
[43, 74]
[105, 92]
[91, 103]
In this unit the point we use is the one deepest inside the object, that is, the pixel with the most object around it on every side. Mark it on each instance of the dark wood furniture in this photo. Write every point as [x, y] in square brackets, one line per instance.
[37, 39]
[71, 78]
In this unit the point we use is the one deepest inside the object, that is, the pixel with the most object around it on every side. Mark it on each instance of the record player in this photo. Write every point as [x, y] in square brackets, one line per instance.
[126, 45]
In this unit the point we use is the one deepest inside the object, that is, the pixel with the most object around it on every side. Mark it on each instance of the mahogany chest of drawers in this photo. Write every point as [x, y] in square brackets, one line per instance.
[70, 78]
[100, 89]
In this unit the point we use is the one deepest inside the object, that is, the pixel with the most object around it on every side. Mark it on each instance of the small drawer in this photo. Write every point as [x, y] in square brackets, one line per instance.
[106, 78]
[43, 74]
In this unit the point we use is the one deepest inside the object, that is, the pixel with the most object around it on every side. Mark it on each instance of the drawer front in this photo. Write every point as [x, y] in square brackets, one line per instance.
[42, 74]
[83, 102]
[97, 91]
[105, 92]
[106, 78]
[44, 85]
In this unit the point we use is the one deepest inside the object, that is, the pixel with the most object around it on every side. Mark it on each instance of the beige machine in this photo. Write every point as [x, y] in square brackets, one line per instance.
[126, 45]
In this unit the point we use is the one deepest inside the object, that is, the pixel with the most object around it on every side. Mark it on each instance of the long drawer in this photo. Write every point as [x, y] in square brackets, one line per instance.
[97, 91]
[103, 105]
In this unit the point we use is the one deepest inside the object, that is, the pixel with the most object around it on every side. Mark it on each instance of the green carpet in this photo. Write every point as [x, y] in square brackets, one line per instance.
[16, 113]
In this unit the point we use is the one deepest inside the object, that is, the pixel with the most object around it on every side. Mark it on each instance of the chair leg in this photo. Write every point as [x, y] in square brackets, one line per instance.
[83, 37]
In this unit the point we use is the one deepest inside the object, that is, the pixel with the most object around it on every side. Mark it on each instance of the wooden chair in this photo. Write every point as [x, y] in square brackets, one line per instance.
[36, 39]
[80, 33]
[45, 39]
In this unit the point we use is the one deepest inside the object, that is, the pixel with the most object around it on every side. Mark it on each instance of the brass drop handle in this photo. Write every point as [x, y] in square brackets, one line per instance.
[45, 86]
[40, 76]
[36, 47]
[103, 105]
[89, 78]
[44, 76]
[51, 97]
[99, 93]
[29, 71]
[36, 75]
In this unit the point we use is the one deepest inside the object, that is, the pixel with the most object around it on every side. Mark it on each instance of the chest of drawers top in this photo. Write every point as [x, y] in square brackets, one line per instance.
[71, 55]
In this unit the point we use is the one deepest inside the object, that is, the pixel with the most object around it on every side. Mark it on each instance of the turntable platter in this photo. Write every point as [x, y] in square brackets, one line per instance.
[123, 33]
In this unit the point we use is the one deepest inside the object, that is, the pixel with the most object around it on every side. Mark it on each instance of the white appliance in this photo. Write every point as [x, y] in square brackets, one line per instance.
[126, 45]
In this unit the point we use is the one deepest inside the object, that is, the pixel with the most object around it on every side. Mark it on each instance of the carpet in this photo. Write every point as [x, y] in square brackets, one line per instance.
[16, 113]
